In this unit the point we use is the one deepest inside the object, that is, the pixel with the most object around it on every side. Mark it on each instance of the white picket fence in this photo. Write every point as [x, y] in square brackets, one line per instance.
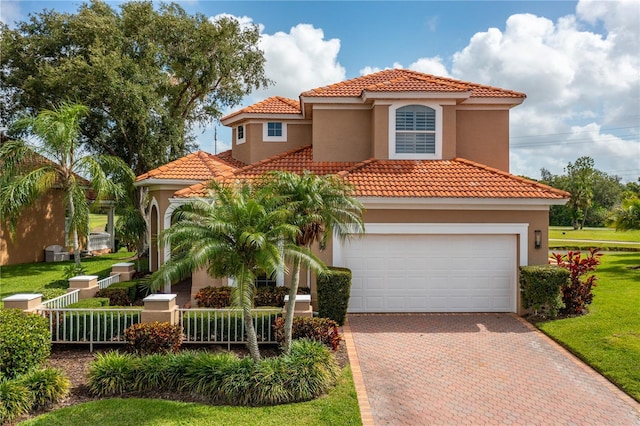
[106, 282]
[62, 301]
[226, 326]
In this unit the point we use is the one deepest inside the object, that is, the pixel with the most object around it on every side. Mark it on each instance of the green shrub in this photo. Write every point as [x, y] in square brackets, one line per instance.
[73, 270]
[227, 325]
[83, 325]
[214, 297]
[323, 330]
[63, 284]
[90, 303]
[155, 337]
[47, 386]
[334, 289]
[15, 400]
[113, 373]
[541, 287]
[131, 287]
[117, 296]
[274, 296]
[25, 341]
[51, 293]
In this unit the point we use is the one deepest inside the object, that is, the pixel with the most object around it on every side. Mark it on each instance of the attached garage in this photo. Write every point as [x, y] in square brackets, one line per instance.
[435, 268]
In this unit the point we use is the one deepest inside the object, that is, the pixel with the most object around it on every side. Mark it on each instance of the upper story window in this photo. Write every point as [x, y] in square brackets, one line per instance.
[274, 131]
[240, 135]
[415, 131]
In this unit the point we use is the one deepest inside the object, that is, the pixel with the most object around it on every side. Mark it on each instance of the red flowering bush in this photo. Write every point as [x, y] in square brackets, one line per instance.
[155, 337]
[323, 330]
[576, 294]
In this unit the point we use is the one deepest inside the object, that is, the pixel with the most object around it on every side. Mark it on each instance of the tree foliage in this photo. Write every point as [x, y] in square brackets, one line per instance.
[594, 194]
[147, 74]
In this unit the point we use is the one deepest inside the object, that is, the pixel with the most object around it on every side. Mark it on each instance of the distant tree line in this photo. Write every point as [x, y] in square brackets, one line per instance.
[597, 198]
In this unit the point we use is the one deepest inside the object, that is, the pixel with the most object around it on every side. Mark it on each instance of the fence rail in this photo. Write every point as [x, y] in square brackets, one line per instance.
[226, 326]
[89, 325]
[106, 282]
[62, 301]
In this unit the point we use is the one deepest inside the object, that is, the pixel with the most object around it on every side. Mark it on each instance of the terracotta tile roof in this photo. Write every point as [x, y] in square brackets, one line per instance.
[272, 105]
[400, 80]
[199, 165]
[458, 178]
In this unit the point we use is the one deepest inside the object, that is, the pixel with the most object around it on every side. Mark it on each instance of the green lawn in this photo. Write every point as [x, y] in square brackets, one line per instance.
[28, 277]
[339, 407]
[97, 222]
[608, 338]
[568, 237]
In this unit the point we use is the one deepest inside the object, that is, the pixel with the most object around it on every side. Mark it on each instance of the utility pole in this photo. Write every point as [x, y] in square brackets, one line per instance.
[215, 140]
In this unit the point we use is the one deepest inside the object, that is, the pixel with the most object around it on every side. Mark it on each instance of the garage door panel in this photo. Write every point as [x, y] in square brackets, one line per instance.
[432, 273]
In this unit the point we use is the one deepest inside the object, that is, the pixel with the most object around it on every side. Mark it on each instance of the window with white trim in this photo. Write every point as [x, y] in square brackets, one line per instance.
[415, 131]
[274, 131]
[240, 135]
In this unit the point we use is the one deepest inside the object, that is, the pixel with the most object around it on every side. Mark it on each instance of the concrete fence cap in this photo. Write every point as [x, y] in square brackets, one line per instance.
[84, 278]
[299, 298]
[21, 297]
[159, 297]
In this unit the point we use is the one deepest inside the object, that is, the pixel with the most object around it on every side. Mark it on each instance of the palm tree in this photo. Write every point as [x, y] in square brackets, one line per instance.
[237, 232]
[627, 217]
[25, 179]
[322, 206]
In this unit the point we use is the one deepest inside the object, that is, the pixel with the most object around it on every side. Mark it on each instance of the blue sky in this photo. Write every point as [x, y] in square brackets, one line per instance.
[577, 62]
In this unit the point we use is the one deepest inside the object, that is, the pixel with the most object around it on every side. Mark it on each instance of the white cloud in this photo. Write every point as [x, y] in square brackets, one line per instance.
[300, 60]
[574, 78]
[432, 65]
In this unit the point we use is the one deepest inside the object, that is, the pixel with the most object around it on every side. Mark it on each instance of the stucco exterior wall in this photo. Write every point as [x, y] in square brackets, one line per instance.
[255, 149]
[483, 136]
[341, 135]
[39, 226]
[380, 131]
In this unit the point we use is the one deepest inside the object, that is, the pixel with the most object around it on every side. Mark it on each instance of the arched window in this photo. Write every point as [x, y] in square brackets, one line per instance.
[415, 130]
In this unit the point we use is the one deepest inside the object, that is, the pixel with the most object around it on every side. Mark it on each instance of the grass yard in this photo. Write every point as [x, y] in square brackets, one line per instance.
[608, 338]
[339, 407]
[568, 237]
[29, 277]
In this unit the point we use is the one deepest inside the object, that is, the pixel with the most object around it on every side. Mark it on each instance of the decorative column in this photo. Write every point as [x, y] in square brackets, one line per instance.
[27, 302]
[125, 269]
[161, 308]
[87, 284]
[302, 307]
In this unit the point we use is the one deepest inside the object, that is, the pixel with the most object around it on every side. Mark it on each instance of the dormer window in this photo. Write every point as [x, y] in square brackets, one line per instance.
[415, 131]
[274, 131]
[240, 135]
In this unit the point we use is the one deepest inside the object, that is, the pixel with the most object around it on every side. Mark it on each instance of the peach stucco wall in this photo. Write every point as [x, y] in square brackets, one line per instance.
[255, 149]
[39, 226]
[483, 137]
[341, 134]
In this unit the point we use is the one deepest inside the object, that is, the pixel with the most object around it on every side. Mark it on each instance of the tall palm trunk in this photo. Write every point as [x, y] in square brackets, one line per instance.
[74, 229]
[252, 337]
[291, 305]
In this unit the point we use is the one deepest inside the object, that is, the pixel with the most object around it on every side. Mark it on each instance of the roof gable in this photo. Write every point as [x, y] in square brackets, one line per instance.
[401, 80]
[199, 165]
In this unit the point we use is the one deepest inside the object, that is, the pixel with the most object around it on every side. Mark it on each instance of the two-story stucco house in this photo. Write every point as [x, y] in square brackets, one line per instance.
[446, 224]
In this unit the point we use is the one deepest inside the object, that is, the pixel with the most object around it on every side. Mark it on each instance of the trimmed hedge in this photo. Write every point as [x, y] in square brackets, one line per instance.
[334, 289]
[541, 287]
[51, 293]
[92, 302]
[131, 287]
[220, 297]
[25, 342]
[323, 330]
[116, 296]
[226, 326]
[222, 378]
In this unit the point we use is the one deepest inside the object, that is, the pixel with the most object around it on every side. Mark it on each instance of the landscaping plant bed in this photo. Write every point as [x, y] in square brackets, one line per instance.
[74, 360]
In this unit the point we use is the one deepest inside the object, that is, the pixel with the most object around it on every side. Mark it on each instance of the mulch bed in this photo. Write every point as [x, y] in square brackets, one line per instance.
[74, 360]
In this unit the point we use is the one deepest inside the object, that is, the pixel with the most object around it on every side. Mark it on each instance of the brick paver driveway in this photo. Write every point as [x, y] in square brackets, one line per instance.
[476, 369]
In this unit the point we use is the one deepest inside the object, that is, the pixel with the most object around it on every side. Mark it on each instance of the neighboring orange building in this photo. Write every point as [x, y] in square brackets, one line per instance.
[446, 224]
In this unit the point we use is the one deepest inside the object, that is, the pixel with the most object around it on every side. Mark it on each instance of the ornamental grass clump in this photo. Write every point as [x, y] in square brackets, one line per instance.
[220, 378]
[47, 386]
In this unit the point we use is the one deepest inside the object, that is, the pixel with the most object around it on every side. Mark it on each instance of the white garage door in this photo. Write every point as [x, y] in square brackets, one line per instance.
[432, 273]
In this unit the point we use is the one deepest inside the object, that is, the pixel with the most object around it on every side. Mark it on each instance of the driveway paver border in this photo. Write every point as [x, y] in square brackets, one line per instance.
[358, 380]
